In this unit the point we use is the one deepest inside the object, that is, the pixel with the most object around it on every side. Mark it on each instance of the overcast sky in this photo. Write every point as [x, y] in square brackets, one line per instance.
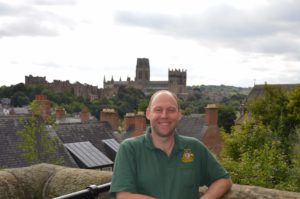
[230, 42]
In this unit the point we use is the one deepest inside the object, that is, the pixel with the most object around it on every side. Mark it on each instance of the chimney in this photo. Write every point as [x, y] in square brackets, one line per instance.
[128, 121]
[211, 115]
[85, 114]
[135, 124]
[140, 124]
[110, 116]
[44, 106]
[60, 113]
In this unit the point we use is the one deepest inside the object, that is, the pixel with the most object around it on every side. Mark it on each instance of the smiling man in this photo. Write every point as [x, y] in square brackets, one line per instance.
[164, 165]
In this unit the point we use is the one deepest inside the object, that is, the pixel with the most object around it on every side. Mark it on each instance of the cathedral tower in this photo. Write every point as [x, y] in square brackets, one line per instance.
[142, 73]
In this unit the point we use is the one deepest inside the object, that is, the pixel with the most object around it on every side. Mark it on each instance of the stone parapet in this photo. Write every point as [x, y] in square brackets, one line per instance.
[253, 192]
[46, 181]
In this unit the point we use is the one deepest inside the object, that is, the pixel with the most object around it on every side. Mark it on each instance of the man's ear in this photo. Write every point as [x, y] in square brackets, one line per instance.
[148, 113]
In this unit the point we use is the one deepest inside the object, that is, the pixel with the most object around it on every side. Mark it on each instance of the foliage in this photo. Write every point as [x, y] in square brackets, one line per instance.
[254, 157]
[226, 117]
[37, 144]
[293, 106]
[277, 110]
[265, 149]
[127, 100]
[19, 99]
[130, 99]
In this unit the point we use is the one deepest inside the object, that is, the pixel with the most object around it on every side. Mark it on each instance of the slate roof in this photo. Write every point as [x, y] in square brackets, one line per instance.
[111, 148]
[87, 155]
[192, 125]
[112, 144]
[10, 154]
[93, 132]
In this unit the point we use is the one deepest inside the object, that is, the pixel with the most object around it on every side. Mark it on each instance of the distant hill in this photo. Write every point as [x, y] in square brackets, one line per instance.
[215, 93]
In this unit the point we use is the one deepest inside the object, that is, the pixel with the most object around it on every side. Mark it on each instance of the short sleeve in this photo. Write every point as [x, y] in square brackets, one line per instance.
[213, 170]
[124, 173]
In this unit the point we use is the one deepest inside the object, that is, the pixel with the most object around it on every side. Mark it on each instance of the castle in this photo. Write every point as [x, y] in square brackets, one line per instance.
[176, 83]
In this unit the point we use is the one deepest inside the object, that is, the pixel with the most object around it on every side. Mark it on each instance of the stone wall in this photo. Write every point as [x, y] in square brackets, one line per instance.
[45, 181]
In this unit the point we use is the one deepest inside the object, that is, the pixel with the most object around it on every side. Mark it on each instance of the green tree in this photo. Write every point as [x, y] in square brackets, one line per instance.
[37, 144]
[143, 104]
[19, 99]
[293, 106]
[226, 117]
[254, 157]
[265, 150]
[273, 110]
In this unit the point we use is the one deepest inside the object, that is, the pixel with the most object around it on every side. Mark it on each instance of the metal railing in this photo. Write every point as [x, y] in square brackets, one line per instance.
[91, 192]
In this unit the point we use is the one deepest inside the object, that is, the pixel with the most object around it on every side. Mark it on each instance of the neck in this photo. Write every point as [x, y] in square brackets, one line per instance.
[166, 144]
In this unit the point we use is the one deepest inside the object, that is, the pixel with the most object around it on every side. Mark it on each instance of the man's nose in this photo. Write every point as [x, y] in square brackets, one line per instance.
[164, 113]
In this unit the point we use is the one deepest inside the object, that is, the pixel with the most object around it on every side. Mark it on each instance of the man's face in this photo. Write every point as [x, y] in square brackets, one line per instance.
[163, 113]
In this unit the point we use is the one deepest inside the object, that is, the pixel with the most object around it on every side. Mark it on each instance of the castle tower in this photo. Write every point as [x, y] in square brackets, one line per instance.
[142, 73]
[177, 81]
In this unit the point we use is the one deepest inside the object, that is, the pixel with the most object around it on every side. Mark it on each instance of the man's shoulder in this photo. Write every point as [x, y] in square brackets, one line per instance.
[134, 141]
[191, 141]
[188, 139]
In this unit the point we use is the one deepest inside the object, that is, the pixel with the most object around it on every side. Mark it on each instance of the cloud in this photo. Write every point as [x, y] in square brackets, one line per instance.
[50, 65]
[28, 20]
[26, 28]
[6, 9]
[54, 2]
[273, 29]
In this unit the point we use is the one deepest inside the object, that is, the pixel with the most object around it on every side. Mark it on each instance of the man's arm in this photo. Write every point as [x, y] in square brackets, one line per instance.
[127, 195]
[218, 189]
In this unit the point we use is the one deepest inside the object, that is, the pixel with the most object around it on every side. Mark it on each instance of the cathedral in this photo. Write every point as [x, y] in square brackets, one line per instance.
[176, 81]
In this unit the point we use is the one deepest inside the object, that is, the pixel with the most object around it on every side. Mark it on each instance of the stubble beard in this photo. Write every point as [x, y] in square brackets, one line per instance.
[156, 130]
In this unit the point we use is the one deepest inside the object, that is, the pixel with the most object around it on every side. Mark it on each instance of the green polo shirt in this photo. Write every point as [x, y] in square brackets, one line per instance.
[142, 168]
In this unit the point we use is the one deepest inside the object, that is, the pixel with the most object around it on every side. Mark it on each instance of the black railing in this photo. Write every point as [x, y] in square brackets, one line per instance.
[91, 192]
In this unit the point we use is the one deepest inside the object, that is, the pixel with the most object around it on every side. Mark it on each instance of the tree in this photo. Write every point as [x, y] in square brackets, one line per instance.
[19, 99]
[254, 157]
[293, 106]
[265, 150]
[273, 109]
[37, 144]
[226, 117]
[143, 104]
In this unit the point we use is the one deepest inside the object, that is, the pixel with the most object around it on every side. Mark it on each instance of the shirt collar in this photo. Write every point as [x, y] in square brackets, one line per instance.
[179, 143]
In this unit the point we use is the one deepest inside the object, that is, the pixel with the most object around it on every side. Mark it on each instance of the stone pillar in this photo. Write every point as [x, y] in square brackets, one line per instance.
[211, 115]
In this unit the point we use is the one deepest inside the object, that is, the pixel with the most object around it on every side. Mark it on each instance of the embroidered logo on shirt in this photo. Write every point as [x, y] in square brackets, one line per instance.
[187, 156]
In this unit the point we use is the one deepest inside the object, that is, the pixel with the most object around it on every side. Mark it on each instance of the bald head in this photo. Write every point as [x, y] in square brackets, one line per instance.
[172, 96]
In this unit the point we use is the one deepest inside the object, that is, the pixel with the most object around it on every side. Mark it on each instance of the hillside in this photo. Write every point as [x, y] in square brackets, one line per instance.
[221, 93]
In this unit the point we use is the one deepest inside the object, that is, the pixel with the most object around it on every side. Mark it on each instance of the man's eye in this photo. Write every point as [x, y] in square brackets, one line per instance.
[171, 110]
[157, 110]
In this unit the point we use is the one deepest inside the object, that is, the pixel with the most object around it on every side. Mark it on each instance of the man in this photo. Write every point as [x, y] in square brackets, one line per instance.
[164, 165]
